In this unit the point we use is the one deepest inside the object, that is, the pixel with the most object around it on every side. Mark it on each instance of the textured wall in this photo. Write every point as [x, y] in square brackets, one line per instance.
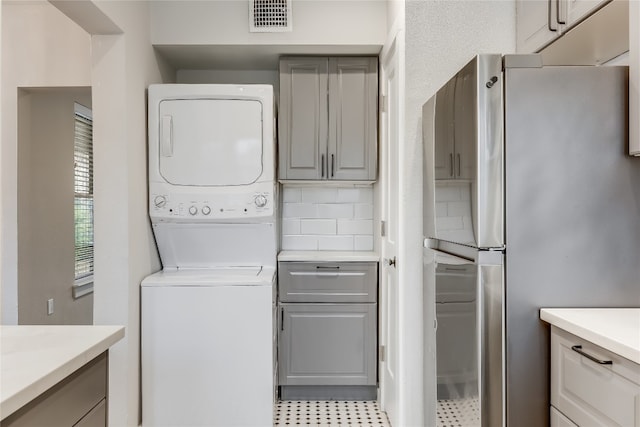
[441, 36]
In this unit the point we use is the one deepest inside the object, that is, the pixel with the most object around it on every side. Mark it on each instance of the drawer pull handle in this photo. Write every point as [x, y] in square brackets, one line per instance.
[578, 349]
[328, 267]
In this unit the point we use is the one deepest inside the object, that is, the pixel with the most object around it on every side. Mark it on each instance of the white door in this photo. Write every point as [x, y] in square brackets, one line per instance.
[390, 132]
[211, 142]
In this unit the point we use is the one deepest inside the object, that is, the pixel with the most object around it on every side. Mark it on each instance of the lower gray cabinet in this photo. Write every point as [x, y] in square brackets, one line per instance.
[78, 400]
[327, 338]
[327, 344]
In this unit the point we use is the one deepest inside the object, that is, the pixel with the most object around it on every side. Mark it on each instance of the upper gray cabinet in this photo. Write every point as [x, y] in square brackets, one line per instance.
[539, 22]
[456, 127]
[328, 118]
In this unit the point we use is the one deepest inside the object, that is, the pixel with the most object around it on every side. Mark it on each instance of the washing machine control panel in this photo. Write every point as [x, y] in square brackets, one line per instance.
[212, 207]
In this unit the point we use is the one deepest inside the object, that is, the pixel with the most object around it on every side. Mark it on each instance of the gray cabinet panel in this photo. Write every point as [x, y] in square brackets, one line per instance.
[444, 125]
[303, 119]
[353, 103]
[328, 282]
[327, 344]
[456, 126]
[96, 418]
[328, 118]
[67, 402]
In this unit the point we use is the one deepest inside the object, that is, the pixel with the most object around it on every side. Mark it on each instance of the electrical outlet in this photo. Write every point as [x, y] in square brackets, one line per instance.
[49, 306]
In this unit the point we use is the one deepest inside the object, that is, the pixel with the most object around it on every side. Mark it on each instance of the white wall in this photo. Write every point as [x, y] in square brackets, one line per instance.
[441, 36]
[123, 67]
[315, 22]
[52, 52]
[46, 127]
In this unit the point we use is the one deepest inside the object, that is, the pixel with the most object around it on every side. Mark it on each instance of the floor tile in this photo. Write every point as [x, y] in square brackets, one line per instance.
[329, 413]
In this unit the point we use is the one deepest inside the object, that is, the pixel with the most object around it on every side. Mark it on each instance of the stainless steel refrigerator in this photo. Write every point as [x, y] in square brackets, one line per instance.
[529, 202]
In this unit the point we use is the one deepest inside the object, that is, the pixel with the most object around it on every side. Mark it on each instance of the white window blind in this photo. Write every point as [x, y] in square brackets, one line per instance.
[83, 200]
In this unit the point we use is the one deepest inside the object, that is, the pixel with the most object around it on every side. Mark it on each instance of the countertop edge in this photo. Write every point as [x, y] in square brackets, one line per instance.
[329, 256]
[617, 347]
[13, 403]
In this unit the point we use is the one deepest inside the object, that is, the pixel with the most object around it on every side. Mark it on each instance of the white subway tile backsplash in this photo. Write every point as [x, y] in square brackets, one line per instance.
[291, 226]
[291, 195]
[299, 243]
[335, 210]
[449, 223]
[299, 210]
[441, 209]
[363, 243]
[353, 195]
[459, 208]
[318, 226]
[355, 226]
[327, 218]
[448, 193]
[319, 195]
[363, 211]
[335, 243]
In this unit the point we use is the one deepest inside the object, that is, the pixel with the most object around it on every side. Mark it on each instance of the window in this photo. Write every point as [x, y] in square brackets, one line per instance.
[83, 200]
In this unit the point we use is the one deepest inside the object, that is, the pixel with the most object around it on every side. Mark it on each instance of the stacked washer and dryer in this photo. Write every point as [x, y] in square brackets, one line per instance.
[208, 316]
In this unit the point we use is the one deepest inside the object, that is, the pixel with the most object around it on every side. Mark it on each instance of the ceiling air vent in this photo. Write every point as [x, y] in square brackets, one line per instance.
[270, 16]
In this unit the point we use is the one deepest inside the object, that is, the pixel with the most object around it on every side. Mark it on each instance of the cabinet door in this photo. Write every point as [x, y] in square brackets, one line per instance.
[578, 9]
[97, 417]
[353, 127]
[327, 344]
[444, 125]
[466, 123]
[559, 420]
[303, 122]
[536, 24]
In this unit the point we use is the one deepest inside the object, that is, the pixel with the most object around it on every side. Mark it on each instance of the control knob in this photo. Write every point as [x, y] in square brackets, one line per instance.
[193, 210]
[206, 210]
[260, 200]
[160, 201]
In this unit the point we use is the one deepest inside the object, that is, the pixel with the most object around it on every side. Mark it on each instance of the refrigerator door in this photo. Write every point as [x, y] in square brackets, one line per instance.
[463, 154]
[469, 311]
[572, 212]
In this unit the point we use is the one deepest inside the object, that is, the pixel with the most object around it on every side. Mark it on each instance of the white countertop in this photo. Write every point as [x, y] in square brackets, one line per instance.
[34, 358]
[615, 329]
[330, 256]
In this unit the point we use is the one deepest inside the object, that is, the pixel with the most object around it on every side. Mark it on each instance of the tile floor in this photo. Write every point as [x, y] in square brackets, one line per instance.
[321, 413]
[458, 413]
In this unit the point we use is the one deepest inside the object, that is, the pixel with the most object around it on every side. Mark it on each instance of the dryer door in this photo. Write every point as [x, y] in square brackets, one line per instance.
[210, 142]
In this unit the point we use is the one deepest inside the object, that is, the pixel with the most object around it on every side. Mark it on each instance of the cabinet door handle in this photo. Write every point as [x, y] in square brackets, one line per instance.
[558, 13]
[282, 319]
[578, 349]
[549, 17]
[332, 165]
[451, 165]
[321, 165]
[459, 165]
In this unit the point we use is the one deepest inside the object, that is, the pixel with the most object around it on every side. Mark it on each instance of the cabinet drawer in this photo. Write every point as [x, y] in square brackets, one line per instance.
[589, 393]
[67, 402]
[559, 420]
[328, 282]
[327, 344]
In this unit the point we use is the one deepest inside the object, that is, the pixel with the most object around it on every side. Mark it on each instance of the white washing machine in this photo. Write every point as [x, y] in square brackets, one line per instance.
[208, 317]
